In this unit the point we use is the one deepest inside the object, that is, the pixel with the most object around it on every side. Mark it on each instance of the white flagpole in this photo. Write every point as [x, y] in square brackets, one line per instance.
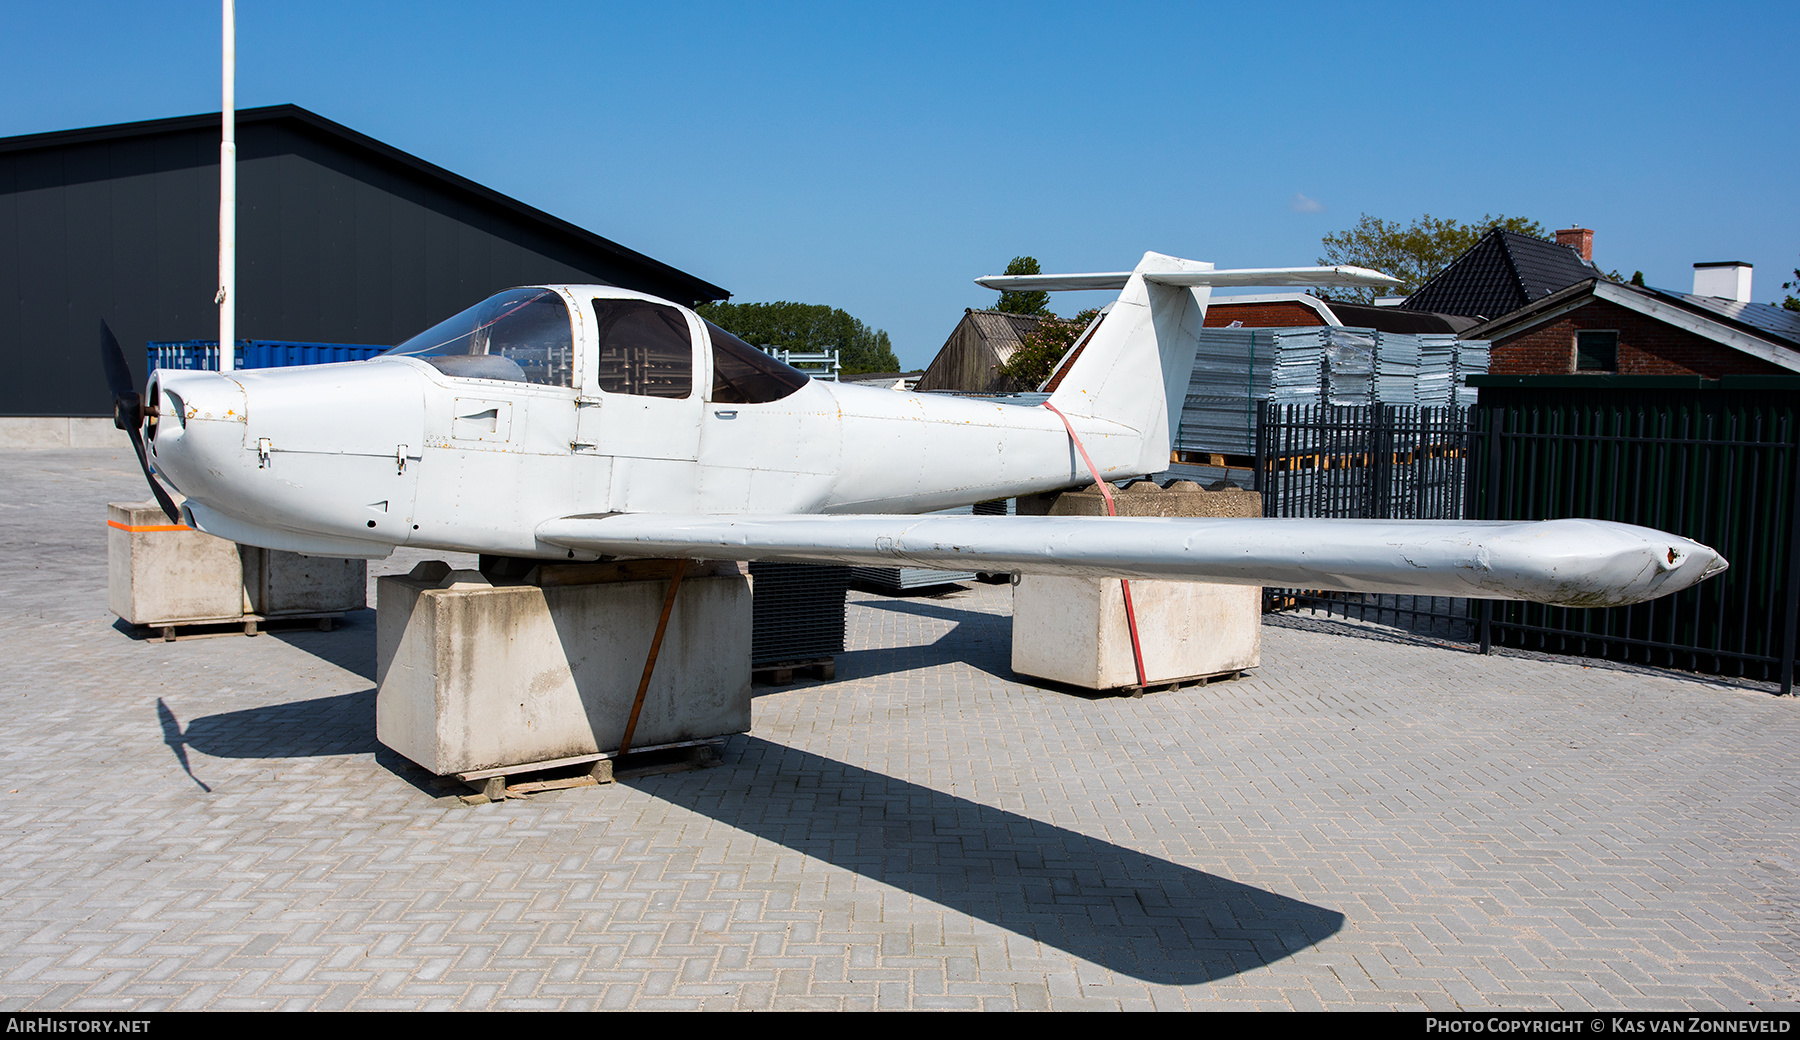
[227, 296]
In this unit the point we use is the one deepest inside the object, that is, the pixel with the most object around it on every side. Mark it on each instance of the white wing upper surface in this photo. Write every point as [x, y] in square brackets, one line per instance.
[1583, 563]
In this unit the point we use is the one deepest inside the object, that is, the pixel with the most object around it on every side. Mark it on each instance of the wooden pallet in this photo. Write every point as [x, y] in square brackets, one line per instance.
[1171, 685]
[248, 624]
[781, 674]
[526, 779]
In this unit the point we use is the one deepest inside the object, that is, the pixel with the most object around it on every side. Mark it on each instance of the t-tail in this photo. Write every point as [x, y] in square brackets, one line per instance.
[1131, 365]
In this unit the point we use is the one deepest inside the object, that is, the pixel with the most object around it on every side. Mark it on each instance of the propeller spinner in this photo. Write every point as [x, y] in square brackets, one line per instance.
[130, 413]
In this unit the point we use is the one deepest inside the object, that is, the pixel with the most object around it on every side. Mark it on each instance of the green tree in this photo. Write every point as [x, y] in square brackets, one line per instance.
[1024, 302]
[806, 328]
[1041, 348]
[1792, 302]
[1413, 253]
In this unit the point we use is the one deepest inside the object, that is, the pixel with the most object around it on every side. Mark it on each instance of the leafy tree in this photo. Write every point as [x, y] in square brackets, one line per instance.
[1024, 302]
[1413, 253]
[1792, 302]
[1637, 278]
[1042, 347]
[808, 328]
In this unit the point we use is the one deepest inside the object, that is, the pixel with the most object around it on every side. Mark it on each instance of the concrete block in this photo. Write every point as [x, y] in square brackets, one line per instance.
[472, 675]
[160, 573]
[163, 574]
[1074, 630]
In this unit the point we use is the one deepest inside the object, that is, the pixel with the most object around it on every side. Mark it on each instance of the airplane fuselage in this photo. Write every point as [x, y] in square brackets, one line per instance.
[356, 458]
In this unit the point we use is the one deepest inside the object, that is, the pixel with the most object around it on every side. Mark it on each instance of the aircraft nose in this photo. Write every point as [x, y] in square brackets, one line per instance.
[199, 426]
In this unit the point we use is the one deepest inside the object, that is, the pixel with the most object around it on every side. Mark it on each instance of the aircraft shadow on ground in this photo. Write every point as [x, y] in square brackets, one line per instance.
[1127, 911]
[979, 640]
[341, 725]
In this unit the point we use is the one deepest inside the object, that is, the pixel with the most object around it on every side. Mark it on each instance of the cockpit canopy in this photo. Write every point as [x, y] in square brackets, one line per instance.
[520, 335]
[645, 349]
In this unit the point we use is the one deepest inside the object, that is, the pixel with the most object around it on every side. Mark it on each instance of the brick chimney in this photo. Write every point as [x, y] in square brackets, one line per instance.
[1579, 239]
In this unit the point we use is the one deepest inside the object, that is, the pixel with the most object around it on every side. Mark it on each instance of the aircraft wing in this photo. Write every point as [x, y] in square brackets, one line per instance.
[1343, 276]
[1579, 563]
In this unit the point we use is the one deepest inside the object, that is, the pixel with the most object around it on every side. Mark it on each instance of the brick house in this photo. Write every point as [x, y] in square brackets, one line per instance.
[1601, 327]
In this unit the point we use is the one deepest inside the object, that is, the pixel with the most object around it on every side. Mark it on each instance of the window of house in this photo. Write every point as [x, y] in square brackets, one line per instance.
[645, 349]
[1596, 351]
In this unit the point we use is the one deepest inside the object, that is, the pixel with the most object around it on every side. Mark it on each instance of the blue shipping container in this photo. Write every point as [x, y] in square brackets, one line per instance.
[203, 354]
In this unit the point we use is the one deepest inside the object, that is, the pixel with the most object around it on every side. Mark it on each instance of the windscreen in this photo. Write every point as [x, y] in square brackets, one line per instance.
[744, 375]
[520, 335]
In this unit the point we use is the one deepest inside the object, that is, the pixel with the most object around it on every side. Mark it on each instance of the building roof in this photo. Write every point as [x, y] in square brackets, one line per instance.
[405, 163]
[1761, 330]
[1353, 315]
[1502, 272]
[1002, 330]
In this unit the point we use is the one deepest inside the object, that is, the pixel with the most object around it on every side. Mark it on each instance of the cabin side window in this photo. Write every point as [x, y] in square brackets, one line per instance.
[645, 349]
[744, 375]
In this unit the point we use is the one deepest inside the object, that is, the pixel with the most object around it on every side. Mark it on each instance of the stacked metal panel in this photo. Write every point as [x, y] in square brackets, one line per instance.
[1437, 370]
[1471, 360]
[797, 612]
[1298, 377]
[905, 579]
[1397, 370]
[1234, 369]
[1350, 366]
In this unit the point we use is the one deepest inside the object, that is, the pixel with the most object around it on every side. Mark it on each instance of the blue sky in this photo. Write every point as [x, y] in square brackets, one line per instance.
[877, 158]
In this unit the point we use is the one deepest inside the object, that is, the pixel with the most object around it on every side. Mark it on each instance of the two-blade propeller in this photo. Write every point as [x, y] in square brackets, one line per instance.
[129, 413]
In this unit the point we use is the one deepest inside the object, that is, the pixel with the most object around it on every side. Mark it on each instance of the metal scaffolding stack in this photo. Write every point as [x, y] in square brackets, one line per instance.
[1234, 369]
[798, 612]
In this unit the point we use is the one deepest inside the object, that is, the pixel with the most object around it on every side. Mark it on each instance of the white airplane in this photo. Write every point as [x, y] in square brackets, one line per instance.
[582, 421]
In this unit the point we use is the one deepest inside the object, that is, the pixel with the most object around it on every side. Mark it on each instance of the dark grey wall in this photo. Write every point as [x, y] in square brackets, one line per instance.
[335, 244]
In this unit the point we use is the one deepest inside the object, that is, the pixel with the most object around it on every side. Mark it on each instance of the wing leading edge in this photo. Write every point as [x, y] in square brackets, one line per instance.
[1577, 563]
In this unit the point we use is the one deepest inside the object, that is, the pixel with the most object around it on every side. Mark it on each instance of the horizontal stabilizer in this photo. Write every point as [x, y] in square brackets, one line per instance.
[1578, 563]
[1338, 277]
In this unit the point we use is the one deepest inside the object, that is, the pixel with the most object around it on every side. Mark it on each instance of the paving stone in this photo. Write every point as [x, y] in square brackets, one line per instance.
[1370, 820]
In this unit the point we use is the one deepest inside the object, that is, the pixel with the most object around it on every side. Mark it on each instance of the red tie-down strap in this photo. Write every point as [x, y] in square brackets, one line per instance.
[1137, 650]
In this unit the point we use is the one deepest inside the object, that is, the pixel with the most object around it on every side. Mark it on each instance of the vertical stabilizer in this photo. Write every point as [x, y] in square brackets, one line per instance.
[1134, 369]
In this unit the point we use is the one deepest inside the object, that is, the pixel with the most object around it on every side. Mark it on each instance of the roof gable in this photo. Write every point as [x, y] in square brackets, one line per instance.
[1500, 273]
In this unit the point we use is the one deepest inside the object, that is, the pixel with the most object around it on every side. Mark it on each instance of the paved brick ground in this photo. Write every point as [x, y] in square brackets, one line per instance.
[1369, 821]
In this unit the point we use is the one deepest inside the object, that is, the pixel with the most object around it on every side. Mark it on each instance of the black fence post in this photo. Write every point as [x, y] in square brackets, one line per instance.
[1790, 618]
[1489, 511]
[1262, 448]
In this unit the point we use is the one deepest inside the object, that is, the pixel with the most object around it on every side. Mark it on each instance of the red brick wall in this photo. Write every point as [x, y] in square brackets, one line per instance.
[1262, 315]
[1647, 347]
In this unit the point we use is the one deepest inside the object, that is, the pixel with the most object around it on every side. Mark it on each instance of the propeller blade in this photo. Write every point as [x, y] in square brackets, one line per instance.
[156, 488]
[118, 373]
[128, 413]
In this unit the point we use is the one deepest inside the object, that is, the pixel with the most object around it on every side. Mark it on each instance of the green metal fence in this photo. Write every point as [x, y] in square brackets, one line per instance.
[1715, 461]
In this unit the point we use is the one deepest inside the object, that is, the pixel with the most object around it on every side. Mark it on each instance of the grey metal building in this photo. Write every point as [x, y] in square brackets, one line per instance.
[341, 238]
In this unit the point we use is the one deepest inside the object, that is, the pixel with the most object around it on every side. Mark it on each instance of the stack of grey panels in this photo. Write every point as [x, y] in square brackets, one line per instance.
[1397, 369]
[903, 579]
[1299, 361]
[797, 612]
[1350, 367]
[1471, 360]
[1437, 369]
